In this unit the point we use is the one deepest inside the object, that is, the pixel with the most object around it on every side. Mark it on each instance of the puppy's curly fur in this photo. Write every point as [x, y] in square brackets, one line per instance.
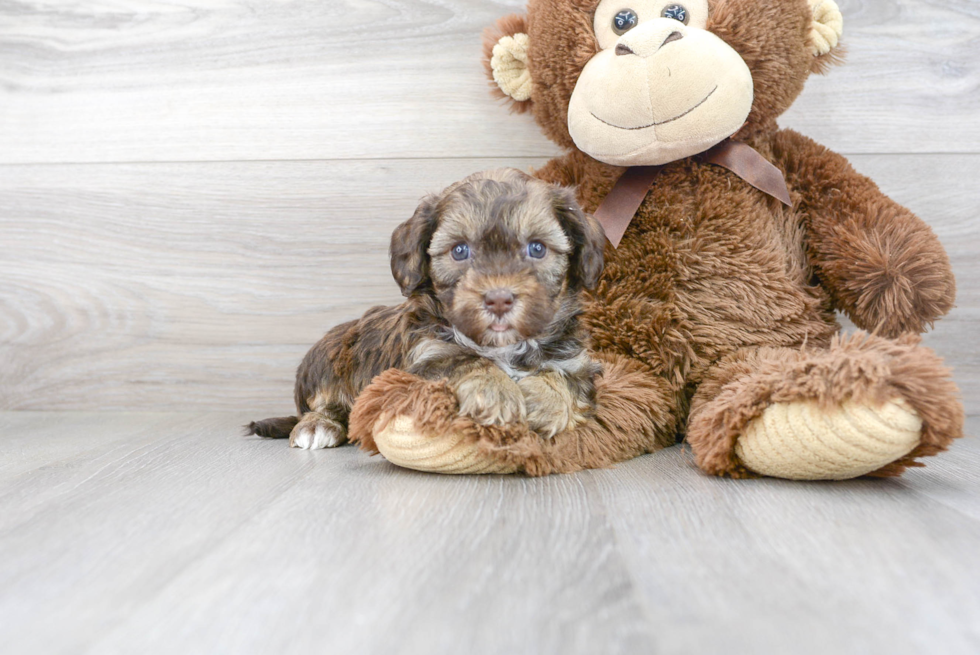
[493, 269]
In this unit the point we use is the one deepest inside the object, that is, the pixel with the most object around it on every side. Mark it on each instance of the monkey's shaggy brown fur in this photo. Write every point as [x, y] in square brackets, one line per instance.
[721, 299]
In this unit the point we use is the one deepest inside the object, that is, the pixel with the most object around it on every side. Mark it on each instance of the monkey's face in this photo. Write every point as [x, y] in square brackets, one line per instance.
[506, 257]
[661, 88]
[645, 82]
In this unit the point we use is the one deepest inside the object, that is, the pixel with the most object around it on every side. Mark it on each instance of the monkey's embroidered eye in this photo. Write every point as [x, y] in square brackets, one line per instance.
[460, 252]
[536, 249]
[677, 12]
[624, 21]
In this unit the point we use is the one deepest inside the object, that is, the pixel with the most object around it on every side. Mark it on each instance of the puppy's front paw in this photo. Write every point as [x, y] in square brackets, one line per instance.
[490, 399]
[551, 406]
[317, 431]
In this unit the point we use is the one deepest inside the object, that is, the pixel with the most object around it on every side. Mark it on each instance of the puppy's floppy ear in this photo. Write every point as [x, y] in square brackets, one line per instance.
[588, 240]
[409, 247]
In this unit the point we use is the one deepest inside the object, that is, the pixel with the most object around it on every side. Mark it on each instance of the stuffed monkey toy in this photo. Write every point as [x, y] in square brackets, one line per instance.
[732, 243]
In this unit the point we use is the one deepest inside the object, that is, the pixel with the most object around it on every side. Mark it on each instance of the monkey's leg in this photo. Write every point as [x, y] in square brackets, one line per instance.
[416, 424]
[865, 406]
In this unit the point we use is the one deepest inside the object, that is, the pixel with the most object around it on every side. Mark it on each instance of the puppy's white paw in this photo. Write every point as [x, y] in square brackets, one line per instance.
[317, 432]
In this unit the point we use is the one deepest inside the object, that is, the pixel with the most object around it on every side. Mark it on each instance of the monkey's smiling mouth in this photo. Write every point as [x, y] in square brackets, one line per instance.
[669, 120]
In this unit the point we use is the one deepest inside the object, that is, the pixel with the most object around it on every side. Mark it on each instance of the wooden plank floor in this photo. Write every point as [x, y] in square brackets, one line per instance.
[171, 533]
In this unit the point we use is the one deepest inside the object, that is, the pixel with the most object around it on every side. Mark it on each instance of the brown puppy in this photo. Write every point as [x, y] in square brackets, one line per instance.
[493, 268]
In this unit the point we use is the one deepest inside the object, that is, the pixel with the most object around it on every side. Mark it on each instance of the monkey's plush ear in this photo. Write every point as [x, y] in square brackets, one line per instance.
[588, 240]
[825, 33]
[505, 61]
[410, 248]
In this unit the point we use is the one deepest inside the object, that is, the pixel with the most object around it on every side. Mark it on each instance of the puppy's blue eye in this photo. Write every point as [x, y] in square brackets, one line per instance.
[536, 249]
[461, 251]
[624, 21]
[677, 12]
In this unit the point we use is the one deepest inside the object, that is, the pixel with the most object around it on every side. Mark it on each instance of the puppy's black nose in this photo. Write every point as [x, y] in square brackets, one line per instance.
[499, 301]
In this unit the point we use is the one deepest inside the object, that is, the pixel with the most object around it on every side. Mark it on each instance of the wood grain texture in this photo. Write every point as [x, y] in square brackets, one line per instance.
[190, 80]
[201, 286]
[136, 286]
[171, 533]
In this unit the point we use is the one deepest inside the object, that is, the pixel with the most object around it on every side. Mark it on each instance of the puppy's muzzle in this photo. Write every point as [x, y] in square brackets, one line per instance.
[498, 301]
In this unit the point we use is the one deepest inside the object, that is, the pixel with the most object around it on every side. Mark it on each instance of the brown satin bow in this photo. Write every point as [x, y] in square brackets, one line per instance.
[619, 207]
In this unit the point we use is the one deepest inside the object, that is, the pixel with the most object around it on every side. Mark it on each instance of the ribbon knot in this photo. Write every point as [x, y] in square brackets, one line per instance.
[618, 208]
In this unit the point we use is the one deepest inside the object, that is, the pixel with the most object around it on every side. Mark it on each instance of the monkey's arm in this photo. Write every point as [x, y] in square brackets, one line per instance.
[883, 266]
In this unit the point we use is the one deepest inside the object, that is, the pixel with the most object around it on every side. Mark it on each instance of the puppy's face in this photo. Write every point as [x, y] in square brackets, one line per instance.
[505, 255]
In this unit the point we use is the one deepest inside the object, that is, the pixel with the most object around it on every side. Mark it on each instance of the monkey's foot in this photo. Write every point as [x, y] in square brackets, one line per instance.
[403, 444]
[802, 441]
[864, 405]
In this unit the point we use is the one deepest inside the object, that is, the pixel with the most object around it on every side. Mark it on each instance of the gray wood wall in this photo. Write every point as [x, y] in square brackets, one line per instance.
[191, 192]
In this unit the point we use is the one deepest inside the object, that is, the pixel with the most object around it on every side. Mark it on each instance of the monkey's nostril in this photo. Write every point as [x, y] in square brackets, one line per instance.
[498, 301]
[623, 49]
[674, 36]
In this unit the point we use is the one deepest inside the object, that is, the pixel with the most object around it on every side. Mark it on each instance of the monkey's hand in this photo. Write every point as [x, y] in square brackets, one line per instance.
[882, 264]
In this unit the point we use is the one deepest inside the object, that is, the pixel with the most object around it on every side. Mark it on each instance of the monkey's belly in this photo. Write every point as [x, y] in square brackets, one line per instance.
[681, 299]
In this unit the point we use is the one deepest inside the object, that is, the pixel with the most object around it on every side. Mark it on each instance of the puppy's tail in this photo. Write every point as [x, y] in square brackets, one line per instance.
[272, 428]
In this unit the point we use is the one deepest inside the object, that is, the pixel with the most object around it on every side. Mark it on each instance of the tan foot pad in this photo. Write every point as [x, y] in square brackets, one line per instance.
[402, 445]
[801, 441]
